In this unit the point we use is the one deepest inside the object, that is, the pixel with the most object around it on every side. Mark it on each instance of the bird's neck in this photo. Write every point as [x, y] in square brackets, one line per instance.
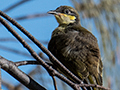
[62, 27]
[69, 25]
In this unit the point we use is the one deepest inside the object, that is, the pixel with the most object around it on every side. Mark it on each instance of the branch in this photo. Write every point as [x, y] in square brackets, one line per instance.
[79, 85]
[34, 54]
[15, 5]
[51, 71]
[40, 46]
[20, 63]
[55, 84]
[93, 85]
[8, 49]
[8, 39]
[31, 16]
[12, 69]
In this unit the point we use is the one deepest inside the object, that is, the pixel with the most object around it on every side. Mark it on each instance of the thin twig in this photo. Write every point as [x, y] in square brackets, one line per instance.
[14, 71]
[34, 54]
[15, 5]
[93, 85]
[0, 78]
[54, 59]
[55, 83]
[20, 63]
[22, 41]
[40, 46]
[9, 39]
[31, 16]
[29, 62]
[9, 49]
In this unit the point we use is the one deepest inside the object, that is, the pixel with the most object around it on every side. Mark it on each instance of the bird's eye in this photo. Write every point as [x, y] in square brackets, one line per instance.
[66, 11]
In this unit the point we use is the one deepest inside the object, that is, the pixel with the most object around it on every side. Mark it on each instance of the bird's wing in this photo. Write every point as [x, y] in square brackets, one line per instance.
[79, 52]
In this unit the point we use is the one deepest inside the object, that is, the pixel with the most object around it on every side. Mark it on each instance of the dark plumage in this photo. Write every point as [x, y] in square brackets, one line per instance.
[76, 47]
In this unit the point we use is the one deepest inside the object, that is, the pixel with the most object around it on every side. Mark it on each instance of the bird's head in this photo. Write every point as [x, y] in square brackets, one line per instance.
[65, 15]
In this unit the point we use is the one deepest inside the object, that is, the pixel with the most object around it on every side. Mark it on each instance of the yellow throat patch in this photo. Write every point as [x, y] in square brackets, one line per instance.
[64, 18]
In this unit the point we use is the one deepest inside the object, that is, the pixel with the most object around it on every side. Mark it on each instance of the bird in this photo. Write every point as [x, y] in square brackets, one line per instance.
[76, 47]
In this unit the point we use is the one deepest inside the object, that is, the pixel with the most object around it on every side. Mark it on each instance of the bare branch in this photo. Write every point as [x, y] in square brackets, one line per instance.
[31, 16]
[51, 71]
[20, 63]
[12, 69]
[54, 81]
[40, 46]
[14, 40]
[15, 5]
[34, 54]
[93, 85]
[14, 51]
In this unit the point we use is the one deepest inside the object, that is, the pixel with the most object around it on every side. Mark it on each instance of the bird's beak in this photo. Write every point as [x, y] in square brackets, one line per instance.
[53, 12]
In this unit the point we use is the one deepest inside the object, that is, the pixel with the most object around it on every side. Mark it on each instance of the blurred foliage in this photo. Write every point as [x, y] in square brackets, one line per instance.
[105, 15]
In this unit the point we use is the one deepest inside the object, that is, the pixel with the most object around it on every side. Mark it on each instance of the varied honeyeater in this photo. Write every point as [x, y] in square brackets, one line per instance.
[75, 47]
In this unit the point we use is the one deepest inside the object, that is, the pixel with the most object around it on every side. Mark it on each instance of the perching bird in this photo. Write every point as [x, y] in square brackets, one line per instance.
[76, 47]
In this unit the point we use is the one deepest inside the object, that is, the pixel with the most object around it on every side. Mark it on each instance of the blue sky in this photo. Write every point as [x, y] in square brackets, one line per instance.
[40, 28]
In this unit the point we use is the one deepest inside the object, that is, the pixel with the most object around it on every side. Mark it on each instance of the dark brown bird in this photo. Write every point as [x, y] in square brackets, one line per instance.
[76, 47]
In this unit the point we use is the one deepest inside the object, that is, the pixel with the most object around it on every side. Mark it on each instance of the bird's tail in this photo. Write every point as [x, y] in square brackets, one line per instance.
[97, 79]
